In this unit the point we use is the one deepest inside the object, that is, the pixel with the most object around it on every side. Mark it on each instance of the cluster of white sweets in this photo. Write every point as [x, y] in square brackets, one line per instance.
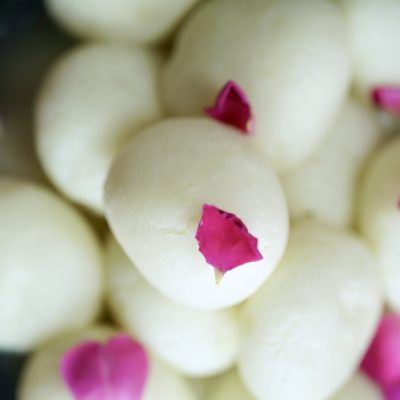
[120, 132]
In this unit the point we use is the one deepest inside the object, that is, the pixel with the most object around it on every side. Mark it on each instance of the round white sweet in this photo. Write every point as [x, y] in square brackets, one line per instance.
[195, 342]
[139, 21]
[41, 378]
[359, 387]
[374, 27]
[92, 101]
[154, 197]
[229, 387]
[379, 215]
[308, 327]
[290, 57]
[51, 277]
[324, 186]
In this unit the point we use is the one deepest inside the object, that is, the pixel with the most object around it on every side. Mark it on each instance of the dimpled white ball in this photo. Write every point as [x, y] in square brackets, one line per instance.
[51, 277]
[154, 197]
[195, 342]
[41, 378]
[359, 387]
[323, 187]
[374, 27]
[379, 215]
[229, 387]
[92, 101]
[290, 57]
[308, 327]
[139, 21]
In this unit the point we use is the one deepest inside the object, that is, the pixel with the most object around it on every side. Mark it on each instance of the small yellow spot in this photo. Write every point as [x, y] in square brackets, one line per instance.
[218, 276]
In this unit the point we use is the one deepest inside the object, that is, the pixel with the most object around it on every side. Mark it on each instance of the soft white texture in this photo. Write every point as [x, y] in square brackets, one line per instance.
[324, 186]
[307, 329]
[93, 100]
[374, 27]
[290, 57]
[51, 275]
[41, 379]
[379, 215]
[359, 387]
[195, 342]
[154, 197]
[139, 21]
[229, 387]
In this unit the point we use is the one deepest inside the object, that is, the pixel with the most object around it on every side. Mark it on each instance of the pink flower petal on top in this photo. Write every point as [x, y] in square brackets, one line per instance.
[387, 98]
[233, 108]
[117, 370]
[224, 240]
[382, 361]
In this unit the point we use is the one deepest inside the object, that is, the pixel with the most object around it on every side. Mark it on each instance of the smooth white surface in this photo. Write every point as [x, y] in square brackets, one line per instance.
[359, 387]
[92, 101]
[41, 379]
[154, 197]
[307, 329]
[290, 57]
[324, 186]
[374, 28]
[379, 215]
[229, 387]
[51, 266]
[195, 342]
[139, 21]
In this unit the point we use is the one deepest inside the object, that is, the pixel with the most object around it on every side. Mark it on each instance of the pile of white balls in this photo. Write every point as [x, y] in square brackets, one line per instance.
[121, 133]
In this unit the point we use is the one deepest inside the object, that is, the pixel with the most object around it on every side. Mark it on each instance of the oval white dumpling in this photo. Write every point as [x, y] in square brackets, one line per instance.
[306, 330]
[323, 187]
[41, 378]
[359, 387]
[195, 342]
[51, 266]
[154, 197]
[139, 21]
[229, 387]
[374, 28]
[93, 100]
[291, 58]
[379, 215]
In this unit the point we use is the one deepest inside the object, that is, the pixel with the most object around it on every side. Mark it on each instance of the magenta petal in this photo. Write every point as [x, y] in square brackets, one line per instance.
[116, 371]
[393, 393]
[233, 108]
[224, 240]
[387, 98]
[382, 361]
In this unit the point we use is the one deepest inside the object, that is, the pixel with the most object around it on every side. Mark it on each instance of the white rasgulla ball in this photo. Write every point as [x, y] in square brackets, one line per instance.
[229, 387]
[374, 27]
[306, 330]
[51, 266]
[41, 379]
[359, 387]
[154, 197]
[195, 342]
[139, 21]
[324, 186]
[290, 57]
[379, 215]
[94, 98]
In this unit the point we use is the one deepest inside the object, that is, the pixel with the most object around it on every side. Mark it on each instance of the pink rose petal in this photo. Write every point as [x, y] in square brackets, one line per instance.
[115, 371]
[233, 108]
[225, 241]
[393, 393]
[382, 361]
[387, 98]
